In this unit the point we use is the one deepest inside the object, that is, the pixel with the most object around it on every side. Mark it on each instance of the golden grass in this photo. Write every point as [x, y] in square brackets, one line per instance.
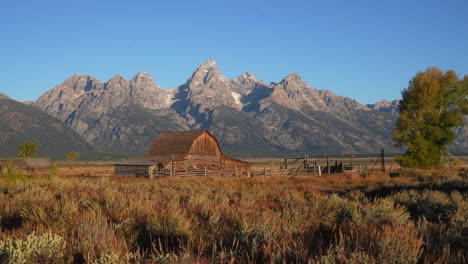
[345, 218]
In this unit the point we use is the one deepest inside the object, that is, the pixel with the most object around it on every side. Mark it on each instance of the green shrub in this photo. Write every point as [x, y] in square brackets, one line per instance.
[53, 170]
[433, 205]
[11, 174]
[45, 248]
[382, 212]
[108, 258]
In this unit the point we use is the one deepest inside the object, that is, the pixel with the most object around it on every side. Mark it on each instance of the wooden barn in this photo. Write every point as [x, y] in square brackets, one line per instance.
[28, 165]
[191, 153]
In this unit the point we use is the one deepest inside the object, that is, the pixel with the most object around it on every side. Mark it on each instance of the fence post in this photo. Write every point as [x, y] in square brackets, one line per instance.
[315, 167]
[382, 156]
[205, 171]
[235, 171]
[172, 166]
[271, 167]
[305, 164]
[342, 164]
[328, 164]
[320, 171]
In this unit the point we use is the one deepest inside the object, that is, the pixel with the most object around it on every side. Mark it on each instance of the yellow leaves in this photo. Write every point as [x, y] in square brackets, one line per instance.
[431, 106]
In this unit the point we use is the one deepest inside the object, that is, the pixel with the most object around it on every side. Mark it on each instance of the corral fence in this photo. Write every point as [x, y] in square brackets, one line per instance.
[186, 168]
[289, 166]
[317, 166]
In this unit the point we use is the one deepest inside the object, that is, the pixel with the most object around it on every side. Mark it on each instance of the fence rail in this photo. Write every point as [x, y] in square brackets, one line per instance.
[304, 166]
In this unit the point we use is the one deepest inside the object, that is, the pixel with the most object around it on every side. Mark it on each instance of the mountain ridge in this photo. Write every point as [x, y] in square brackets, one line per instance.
[286, 116]
[20, 123]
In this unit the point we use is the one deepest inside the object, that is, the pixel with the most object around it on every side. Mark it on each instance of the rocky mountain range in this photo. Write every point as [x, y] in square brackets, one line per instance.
[247, 115]
[20, 123]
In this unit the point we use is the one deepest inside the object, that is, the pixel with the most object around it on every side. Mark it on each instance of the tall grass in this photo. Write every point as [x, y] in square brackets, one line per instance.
[11, 173]
[215, 220]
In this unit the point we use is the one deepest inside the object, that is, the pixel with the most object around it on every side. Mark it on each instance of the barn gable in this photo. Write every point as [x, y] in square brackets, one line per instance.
[184, 143]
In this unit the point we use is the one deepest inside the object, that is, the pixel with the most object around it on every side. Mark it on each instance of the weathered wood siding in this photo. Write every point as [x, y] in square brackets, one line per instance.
[228, 162]
[205, 144]
[202, 161]
[131, 170]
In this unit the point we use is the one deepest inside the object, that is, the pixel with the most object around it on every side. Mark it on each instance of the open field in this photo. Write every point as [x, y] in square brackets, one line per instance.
[419, 217]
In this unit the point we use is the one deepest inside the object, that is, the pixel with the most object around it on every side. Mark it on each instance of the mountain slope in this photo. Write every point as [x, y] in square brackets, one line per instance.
[117, 116]
[20, 123]
[247, 115]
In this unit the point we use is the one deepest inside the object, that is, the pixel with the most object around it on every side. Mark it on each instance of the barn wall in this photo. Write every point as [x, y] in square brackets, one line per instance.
[35, 170]
[200, 161]
[231, 163]
[205, 144]
[131, 170]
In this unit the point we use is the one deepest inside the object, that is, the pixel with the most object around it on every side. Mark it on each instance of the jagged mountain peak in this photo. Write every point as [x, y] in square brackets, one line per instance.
[206, 67]
[143, 79]
[293, 77]
[245, 83]
[118, 82]
[117, 77]
[79, 81]
[248, 76]
[142, 75]
[79, 84]
[72, 79]
[292, 83]
[210, 63]
[385, 106]
[207, 74]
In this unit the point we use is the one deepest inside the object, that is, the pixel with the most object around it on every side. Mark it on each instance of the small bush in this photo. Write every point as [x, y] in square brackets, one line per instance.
[433, 205]
[11, 174]
[382, 212]
[45, 248]
[53, 171]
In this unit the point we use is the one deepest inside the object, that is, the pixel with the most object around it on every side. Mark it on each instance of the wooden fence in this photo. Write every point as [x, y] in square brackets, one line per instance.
[299, 166]
[306, 166]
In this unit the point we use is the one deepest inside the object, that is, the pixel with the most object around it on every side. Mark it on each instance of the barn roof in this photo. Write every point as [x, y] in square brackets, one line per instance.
[174, 143]
[27, 162]
[148, 161]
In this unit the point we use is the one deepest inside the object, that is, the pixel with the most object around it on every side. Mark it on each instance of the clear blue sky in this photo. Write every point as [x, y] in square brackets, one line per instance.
[366, 50]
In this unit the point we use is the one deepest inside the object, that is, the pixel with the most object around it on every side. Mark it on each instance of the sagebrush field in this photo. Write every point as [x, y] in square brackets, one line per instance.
[417, 217]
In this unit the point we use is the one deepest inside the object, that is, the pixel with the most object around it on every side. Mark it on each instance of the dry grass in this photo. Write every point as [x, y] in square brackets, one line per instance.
[86, 171]
[347, 218]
